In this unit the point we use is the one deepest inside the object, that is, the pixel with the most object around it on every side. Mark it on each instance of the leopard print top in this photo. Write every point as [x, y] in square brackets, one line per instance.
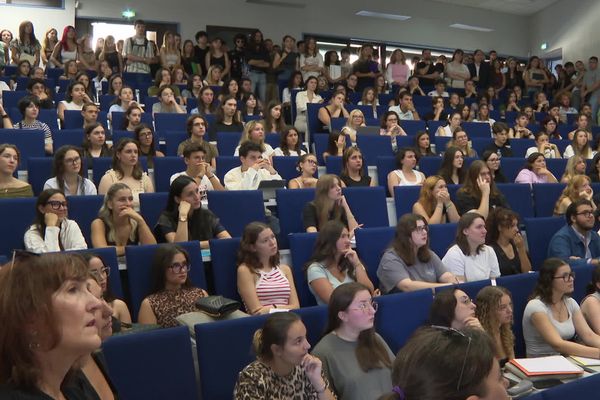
[169, 304]
[259, 381]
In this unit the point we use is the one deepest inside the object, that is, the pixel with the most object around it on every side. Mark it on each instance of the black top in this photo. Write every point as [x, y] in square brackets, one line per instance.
[221, 127]
[516, 80]
[507, 266]
[8, 392]
[310, 217]
[257, 53]
[200, 58]
[466, 202]
[202, 225]
[217, 61]
[439, 67]
[236, 62]
[365, 180]
[504, 151]
[484, 74]
[364, 67]
[82, 384]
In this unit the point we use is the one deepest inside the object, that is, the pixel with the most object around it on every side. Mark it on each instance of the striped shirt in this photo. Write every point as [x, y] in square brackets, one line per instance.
[37, 125]
[273, 288]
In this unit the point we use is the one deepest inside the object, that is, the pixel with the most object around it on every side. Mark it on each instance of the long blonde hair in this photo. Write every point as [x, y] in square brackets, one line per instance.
[249, 128]
[105, 213]
[571, 191]
[488, 300]
[570, 168]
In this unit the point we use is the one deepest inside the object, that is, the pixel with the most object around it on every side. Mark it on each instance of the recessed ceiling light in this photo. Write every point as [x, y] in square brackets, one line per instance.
[373, 14]
[471, 28]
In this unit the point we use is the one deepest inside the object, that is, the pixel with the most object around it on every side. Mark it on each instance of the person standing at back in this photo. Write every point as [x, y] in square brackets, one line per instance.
[138, 50]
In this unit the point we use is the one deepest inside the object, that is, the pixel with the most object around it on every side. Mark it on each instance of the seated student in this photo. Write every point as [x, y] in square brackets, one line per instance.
[132, 118]
[405, 108]
[495, 313]
[198, 169]
[281, 375]
[144, 134]
[336, 144]
[500, 145]
[578, 188]
[89, 113]
[590, 305]
[535, 171]
[453, 308]
[438, 355]
[94, 143]
[274, 118]
[11, 187]
[254, 131]
[439, 89]
[172, 292]
[227, 119]
[461, 141]
[334, 109]
[126, 168]
[437, 112]
[265, 285]
[333, 263]
[118, 224]
[453, 123]
[423, 145]
[69, 174]
[452, 168]
[29, 106]
[98, 268]
[582, 122]
[167, 102]
[567, 243]
[520, 130]
[549, 125]
[254, 169]
[470, 259]
[576, 165]
[290, 144]
[405, 173]
[552, 319]
[329, 204]
[353, 172]
[356, 120]
[307, 166]
[483, 114]
[580, 146]
[543, 145]
[504, 237]
[409, 264]
[434, 203]
[75, 98]
[390, 125]
[479, 192]
[51, 229]
[196, 127]
[184, 219]
[492, 160]
[349, 335]
[123, 101]
[162, 78]
[37, 87]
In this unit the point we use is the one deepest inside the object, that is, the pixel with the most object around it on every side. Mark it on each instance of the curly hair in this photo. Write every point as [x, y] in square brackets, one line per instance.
[488, 301]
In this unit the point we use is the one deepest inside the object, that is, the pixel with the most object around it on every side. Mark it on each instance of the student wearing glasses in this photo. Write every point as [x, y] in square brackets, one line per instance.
[552, 319]
[51, 229]
[356, 360]
[171, 293]
[409, 264]
[454, 309]
[68, 173]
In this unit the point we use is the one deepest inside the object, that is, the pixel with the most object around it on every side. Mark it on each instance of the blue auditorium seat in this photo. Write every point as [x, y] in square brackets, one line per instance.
[373, 146]
[337, 123]
[290, 204]
[74, 119]
[39, 170]
[315, 320]
[477, 129]
[118, 117]
[441, 143]
[301, 249]
[312, 119]
[430, 165]
[139, 270]
[441, 237]
[413, 127]
[432, 127]
[153, 365]
[510, 167]
[164, 167]
[404, 198]
[539, 232]
[273, 139]
[109, 256]
[237, 208]
[11, 98]
[557, 166]
[545, 196]
[227, 142]
[173, 139]
[117, 135]
[83, 210]
[583, 276]
[385, 165]
[223, 254]
[49, 117]
[480, 144]
[333, 165]
[519, 198]
[370, 245]
[470, 288]
[152, 205]
[582, 388]
[225, 164]
[16, 216]
[99, 168]
[170, 122]
[30, 143]
[368, 204]
[519, 147]
[413, 307]
[106, 100]
[73, 137]
[286, 166]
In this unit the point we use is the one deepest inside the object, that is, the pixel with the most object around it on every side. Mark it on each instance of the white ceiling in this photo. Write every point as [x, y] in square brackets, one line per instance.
[517, 7]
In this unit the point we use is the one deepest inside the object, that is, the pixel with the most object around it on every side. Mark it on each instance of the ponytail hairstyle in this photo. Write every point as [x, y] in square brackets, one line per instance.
[273, 332]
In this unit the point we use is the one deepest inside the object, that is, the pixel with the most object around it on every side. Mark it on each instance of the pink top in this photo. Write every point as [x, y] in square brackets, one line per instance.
[273, 288]
[398, 73]
[528, 176]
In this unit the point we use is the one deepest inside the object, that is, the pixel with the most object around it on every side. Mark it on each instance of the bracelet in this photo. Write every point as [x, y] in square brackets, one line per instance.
[322, 390]
[210, 177]
[5, 116]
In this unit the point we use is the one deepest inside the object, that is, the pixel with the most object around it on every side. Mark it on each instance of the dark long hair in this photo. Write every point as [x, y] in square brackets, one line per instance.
[273, 332]
[465, 221]
[58, 165]
[592, 287]
[137, 169]
[325, 248]
[443, 308]
[470, 187]
[163, 257]
[246, 255]
[175, 190]
[498, 217]
[39, 221]
[447, 166]
[402, 242]
[543, 287]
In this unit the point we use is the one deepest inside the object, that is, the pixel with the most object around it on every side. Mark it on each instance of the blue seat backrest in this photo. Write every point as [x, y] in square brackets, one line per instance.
[477, 129]
[16, 216]
[368, 204]
[582, 388]
[29, 142]
[83, 210]
[557, 166]
[290, 204]
[430, 165]
[170, 121]
[480, 144]
[372, 146]
[432, 127]
[519, 147]
[404, 198]
[286, 167]
[545, 196]
[337, 123]
[333, 165]
[315, 320]
[173, 139]
[73, 137]
[227, 142]
[164, 167]
[109, 257]
[237, 208]
[74, 119]
[11, 99]
[106, 101]
[414, 309]
[413, 127]
[117, 135]
[139, 270]
[519, 198]
[39, 170]
[370, 245]
[50, 118]
[385, 165]
[152, 205]
[441, 237]
[583, 276]
[223, 253]
[301, 248]
[118, 117]
[539, 232]
[152, 365]
[470, 288]
[510, 167]
[225, 164]
[312, 113]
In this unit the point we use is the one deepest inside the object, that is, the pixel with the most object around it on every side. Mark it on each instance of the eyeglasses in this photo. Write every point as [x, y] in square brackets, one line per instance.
[146, 134]
[56, 205]
[466, 300]
[364, 306]
[456, 333]
[180, 267]
[586, 213]
[74, 160]
[102, 271]
[421, 228]
[566, 277]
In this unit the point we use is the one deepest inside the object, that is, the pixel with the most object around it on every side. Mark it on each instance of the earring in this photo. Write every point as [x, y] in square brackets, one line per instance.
[34, 344]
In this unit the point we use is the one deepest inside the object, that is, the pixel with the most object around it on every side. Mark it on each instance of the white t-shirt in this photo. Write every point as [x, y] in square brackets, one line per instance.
[279, 153]
[483, 265]
[266, 154]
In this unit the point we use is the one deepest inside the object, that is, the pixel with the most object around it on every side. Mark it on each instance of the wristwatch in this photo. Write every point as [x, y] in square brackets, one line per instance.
[182, 219]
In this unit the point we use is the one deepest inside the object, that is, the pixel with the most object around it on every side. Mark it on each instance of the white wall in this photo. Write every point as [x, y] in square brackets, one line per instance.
[570, 25]
[42, 18]
[429, 25]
